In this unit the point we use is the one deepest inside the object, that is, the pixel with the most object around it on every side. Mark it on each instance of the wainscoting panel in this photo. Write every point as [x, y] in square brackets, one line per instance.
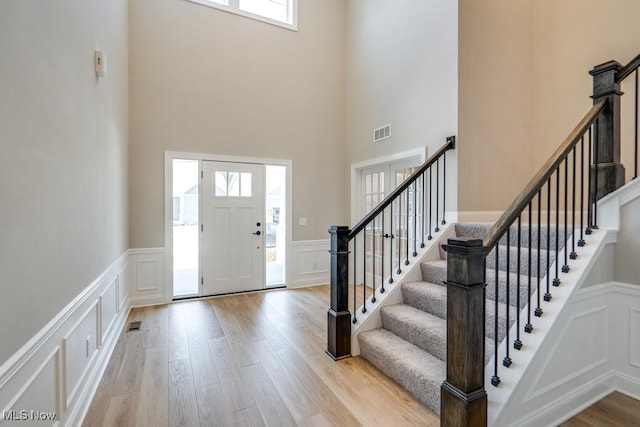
[634, 336]
[39, 400]
[310, 263]
[583, 348]
[147, 277]
[108, 308]
[597, 352]
[79, 347]
[59, 369]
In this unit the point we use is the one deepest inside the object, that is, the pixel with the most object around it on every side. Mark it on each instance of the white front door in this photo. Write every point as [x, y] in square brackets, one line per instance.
[232, 227]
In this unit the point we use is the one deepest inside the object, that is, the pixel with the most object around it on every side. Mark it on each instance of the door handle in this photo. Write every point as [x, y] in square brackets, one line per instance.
[257, 233]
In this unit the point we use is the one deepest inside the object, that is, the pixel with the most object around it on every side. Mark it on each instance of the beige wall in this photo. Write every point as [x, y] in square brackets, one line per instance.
[527, 62]
[401, 70]
[207, 81]
[495, 86]
[63, 168]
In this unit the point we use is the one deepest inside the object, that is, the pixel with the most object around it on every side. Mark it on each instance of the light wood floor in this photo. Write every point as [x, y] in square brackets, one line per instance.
[616, 409]
[244, 360]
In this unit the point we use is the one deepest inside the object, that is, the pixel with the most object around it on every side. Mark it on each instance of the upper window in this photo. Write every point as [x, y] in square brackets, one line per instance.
[277, 12]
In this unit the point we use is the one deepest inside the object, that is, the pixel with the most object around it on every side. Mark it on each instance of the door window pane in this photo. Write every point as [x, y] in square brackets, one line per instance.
[245, 184]
[221, 183]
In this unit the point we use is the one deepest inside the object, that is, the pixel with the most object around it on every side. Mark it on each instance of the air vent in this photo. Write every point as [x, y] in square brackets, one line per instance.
[382, 133]
[134, 326]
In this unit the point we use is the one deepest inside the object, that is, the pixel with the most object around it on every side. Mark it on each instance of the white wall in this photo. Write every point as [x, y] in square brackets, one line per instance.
[63, 168]
[207, 81]
[402, 62]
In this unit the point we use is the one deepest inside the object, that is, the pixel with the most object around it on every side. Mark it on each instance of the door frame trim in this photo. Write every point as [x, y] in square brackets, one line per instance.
[169, 156]
[356, 169]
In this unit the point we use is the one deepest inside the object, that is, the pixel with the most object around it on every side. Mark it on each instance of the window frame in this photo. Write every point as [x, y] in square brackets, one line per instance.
[233, 6]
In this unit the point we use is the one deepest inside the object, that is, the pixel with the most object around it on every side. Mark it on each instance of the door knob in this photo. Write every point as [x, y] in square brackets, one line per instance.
[257, 233]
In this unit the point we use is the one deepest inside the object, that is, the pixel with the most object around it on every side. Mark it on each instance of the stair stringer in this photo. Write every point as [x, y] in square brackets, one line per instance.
[393, 292]
[519, 398]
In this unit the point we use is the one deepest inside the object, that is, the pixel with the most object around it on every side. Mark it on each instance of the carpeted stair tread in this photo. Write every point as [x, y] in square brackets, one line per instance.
[417, 371]
[432, 298]
[428, 297]
[436, 272]
[418, 327]
[421, 329]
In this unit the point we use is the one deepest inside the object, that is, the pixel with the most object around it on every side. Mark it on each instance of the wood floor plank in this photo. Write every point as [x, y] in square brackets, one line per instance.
[153, 403]
[183, 409]
[249, 417]
[330, 405]
[211, 406]
[201, 357]
[616, 409]
[236, 391]
[273, 409]
[293, 394]
[120, 410]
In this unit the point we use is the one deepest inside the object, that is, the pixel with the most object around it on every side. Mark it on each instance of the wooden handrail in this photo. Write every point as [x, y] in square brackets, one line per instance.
[628, 69]
[449, 145]
[512, 213]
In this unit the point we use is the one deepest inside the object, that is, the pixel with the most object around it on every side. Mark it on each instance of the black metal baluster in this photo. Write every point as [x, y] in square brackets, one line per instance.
[581, 241]
[364, 271]
[424, 211]
[565, 267]
[495, 379]
[373, 260]
[406, 230]
[382, 242]
[355, 276]
[587, 231]
[547, 295]
[538, 312]
[506, 361]
[437, 194]
[444, 187]
[430, 204]
[415, 218]
[529, 327]
[573, 255]
[556, 281]
[635, 138]
[596, 142]
[517, 344]
[391, 237]
[399, 235]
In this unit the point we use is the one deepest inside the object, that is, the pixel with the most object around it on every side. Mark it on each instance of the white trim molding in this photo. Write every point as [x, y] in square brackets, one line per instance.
[59, 369]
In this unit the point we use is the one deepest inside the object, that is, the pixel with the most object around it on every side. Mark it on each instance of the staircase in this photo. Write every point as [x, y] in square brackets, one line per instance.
[411, 346]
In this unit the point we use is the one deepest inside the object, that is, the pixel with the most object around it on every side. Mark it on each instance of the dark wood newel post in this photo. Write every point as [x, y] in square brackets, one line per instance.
[463, 397]
[338, 317]
[609, 173]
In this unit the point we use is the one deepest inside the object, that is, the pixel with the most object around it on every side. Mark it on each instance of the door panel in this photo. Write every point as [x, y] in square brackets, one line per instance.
[232, 235]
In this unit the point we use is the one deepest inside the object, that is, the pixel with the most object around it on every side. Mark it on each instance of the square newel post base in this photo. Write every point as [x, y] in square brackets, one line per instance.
[462, 409]
[338, 334]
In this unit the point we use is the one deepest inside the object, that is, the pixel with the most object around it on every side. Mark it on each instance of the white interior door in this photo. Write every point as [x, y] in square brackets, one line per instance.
[232, 227]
